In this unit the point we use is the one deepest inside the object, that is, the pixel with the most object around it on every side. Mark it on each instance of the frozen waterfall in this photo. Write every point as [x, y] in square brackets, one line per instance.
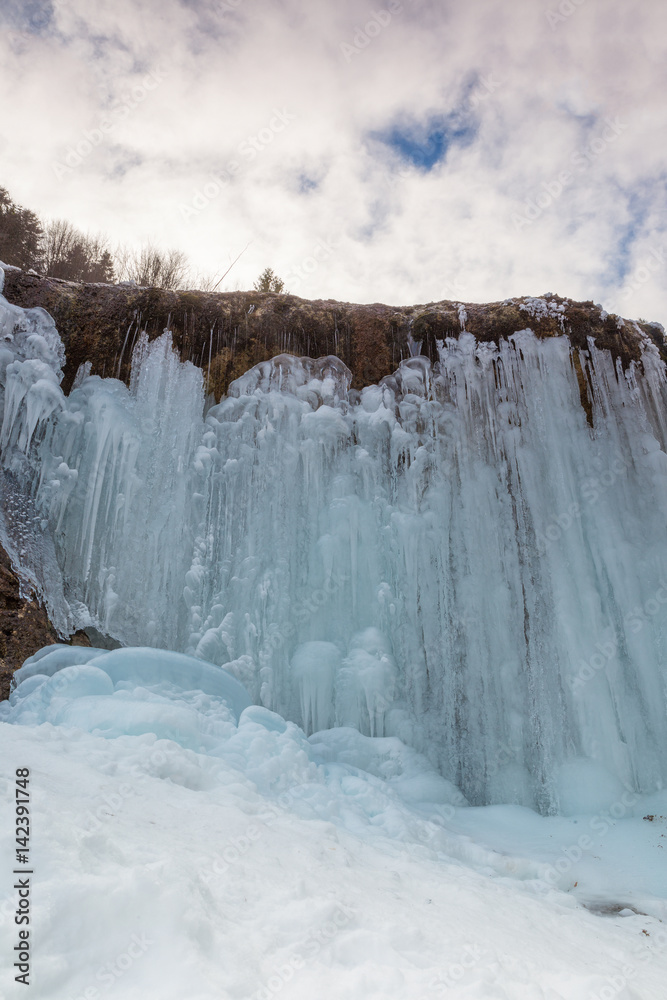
[456, 556]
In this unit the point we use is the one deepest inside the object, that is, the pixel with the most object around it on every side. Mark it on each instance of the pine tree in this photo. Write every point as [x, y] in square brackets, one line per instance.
[21, 235]
[269, 282]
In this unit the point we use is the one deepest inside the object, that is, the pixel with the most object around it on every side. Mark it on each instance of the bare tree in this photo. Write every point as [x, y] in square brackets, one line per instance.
[76, 256]
[152, 267]
[59, 241]
[205, 282]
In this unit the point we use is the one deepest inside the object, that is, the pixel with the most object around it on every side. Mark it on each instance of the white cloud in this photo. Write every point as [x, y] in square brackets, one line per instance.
[535, 96]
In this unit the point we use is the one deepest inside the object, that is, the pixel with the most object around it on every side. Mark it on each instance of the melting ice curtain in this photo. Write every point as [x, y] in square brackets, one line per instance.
[458, 556]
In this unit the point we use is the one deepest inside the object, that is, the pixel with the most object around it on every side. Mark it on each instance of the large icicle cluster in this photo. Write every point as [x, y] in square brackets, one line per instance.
[454, 556]
[110, 468]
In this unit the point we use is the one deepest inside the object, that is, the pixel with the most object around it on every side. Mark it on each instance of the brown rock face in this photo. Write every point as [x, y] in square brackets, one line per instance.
[24, 626]
[227, 333]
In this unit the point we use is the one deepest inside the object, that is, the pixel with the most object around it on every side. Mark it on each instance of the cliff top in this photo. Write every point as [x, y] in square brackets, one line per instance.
[226, 333]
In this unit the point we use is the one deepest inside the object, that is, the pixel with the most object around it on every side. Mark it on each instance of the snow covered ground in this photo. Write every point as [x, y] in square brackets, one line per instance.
[182, 852]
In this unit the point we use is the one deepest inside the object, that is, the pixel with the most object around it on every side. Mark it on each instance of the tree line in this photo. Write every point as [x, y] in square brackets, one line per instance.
[58, 249]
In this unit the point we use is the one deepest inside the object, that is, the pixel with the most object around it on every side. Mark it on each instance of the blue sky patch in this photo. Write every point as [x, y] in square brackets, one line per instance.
[637, 206]
[307, 184]
[424, 146]
[35, 17]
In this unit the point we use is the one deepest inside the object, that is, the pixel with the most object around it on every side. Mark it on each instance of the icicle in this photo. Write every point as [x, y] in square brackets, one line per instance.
[455, 556]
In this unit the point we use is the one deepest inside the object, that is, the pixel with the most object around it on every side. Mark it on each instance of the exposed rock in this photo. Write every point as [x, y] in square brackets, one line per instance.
[236, 330]
[24, 626]
[227, 333]
[98, 639]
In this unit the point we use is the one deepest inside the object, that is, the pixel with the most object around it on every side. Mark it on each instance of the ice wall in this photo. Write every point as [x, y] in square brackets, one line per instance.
[455, 556]
[110, 468]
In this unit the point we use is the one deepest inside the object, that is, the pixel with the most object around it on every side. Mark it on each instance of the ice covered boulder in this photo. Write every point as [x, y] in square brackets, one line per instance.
[127, 691]
[318, 380]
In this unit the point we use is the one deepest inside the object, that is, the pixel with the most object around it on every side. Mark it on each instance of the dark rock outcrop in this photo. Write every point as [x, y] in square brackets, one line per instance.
[24, 626]
[227, 333]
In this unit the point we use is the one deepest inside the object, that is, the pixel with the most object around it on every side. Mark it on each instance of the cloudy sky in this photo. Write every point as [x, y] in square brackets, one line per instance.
[394, 151]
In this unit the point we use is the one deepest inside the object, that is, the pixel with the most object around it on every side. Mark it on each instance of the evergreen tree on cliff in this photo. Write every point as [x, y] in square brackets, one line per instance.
[269, 282]
[20, 235]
